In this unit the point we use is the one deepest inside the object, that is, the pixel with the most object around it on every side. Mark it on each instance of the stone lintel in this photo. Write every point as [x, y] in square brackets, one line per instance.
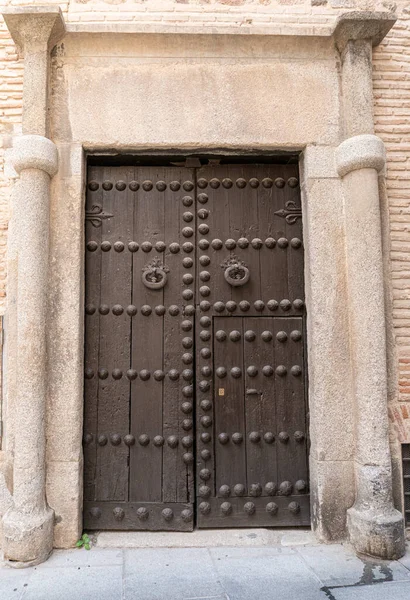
[348, 26]
[39, 26]
[362, 25]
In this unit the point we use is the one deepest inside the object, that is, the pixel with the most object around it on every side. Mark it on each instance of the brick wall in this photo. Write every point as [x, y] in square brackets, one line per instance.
[391, 78]
[392, 117]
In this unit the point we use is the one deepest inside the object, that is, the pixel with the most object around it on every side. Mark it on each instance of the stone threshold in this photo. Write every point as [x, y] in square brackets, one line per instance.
[204, 538]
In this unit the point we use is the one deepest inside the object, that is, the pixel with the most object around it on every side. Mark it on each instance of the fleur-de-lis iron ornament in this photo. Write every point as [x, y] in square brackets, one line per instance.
[291, 213]
[96, 215]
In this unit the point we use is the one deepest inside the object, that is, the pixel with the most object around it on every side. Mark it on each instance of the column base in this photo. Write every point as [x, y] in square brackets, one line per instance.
[27, 538]
[379, 534]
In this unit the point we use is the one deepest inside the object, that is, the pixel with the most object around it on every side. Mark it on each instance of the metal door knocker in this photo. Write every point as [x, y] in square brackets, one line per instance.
[154, 274]
[236, 272]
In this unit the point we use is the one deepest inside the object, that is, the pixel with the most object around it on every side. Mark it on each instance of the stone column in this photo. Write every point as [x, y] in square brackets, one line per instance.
[28, 524]
[375, 526]
[331, 405]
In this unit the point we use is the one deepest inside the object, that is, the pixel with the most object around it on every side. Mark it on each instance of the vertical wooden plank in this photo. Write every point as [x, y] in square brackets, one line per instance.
[230, 434]
[260, 406]
[171, 359]
[273, 266]
[245, 224]
[290, 401]
[211, 298]
[274, 254]
[147, 339]
[92, 332]
[185, 489]
[114, 355]
[295, 353]
[294, 236]
[179, 299]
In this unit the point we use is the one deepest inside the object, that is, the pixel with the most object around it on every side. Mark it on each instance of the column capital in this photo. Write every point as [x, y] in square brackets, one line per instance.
[35, 30]
[35, 152]
[35, 27]
[365, 151]
[362, 25]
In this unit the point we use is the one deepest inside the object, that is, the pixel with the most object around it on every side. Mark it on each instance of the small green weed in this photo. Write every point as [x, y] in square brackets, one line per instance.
[84, 542]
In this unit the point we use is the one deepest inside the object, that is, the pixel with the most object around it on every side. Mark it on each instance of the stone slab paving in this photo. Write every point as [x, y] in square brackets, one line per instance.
[386, 591]
[204, 538]
[282, 571]
[337, 565]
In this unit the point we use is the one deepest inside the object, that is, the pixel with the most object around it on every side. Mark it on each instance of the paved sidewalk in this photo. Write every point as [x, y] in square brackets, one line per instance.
[310, 572]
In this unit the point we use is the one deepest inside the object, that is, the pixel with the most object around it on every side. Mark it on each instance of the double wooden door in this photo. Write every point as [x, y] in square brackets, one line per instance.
[195, 374]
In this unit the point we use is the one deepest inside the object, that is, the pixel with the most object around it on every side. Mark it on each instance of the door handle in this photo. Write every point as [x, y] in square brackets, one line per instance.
[251, 392]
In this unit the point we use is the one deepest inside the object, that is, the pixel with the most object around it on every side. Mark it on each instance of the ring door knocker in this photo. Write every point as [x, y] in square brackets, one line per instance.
[236, 272]
[154, 275]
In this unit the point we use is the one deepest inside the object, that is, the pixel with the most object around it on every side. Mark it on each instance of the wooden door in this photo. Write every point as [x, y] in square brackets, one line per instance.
[139, 355]
[165, 247]
[251, 407]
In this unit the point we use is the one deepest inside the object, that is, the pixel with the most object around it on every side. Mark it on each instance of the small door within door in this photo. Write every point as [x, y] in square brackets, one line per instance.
[194, 348]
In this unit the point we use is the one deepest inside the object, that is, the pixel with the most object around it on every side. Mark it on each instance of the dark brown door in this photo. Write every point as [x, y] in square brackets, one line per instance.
[251, 416]
[166, 246]
[139, 432]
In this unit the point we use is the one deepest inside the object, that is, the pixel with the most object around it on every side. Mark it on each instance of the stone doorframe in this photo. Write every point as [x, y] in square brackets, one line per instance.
[342, 191]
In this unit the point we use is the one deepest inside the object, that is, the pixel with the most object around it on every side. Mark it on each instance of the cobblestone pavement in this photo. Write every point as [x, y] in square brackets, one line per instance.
[309, 572]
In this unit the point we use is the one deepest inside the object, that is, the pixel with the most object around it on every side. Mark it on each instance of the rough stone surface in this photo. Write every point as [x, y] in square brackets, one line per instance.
[333, 493]
[376, 532]
[35, 30]
[221, 74]
[203, 538]
[35, 152]
[6, 499]
[27, 537]
[357, 91]
[68, 507]
[374, 525]
[331, 422]
[65, 391]
[360, 152]
[363, 25]
[28, 525]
